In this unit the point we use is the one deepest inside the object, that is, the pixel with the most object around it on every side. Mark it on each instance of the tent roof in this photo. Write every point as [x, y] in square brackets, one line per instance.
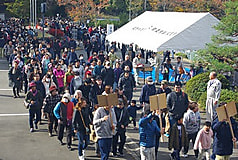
[167, 30]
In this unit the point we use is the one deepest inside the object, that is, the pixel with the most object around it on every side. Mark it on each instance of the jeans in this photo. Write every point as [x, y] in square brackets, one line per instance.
[32, 113]
[175, 153]
[105, 147]
[177, 77]
[122, 136]
[172, 121]
[156, 146]
[83, 142]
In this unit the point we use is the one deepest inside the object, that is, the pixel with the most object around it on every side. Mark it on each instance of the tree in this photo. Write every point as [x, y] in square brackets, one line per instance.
[83, 9]
[221, 55]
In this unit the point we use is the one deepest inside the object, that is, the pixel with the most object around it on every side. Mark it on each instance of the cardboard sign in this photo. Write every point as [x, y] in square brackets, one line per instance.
[107, 100]
[226, 110]
[158, 102]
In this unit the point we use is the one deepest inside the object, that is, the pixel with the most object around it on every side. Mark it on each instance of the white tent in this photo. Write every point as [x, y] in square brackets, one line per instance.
[167, 30]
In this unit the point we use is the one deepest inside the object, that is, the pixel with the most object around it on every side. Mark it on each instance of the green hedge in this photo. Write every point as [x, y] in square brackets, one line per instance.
[226, 96]
[183, 55]
[197, 85]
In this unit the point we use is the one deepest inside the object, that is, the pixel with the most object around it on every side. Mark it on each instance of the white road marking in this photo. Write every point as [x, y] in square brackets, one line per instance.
[4, 70]
[11, 115]
[10, 89]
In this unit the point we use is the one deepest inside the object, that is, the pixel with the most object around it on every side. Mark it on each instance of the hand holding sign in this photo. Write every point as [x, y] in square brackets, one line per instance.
[224, 113]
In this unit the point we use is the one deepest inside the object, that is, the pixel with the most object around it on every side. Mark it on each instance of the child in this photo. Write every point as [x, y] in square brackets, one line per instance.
[203, 141]
[132, 112]
[191, 123]
[177, 138]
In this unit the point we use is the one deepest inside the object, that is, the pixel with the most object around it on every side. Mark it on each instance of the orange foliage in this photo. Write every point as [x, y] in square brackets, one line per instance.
[83, 9]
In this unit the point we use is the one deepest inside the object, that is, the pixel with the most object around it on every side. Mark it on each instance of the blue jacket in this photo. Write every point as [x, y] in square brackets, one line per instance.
[72, 56]
[148, 131]
[132, 110]
[146, 92]
[223, 144]
[97, 70]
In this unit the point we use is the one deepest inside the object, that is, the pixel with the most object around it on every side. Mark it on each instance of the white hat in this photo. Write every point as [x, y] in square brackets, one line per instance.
[67, 95]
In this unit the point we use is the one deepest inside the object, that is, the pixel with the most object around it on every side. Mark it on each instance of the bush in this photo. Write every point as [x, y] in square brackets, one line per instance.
[183, 55]
[197, 85]
[226, 96]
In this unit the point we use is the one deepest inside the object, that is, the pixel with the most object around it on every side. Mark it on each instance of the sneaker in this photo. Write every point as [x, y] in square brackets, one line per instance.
[81, 158]
[114, 155]
[50, 134]
[121, 155]
[83, 152]
[69, 148]
[171, 156]
[61, 142]
[32, 130]
[36, 126]
[185, 155]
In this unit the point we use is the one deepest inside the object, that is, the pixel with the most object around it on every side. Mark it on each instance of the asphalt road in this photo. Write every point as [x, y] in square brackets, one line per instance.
[17, 143]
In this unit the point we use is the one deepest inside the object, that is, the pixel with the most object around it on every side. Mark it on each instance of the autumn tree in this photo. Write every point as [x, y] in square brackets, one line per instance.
[83, 9]
[222, 54]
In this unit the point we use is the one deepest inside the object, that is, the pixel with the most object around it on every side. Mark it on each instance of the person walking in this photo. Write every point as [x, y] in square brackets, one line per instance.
[63, 111]
[104, 122]
[81, 120]
[33, 102]
[148, 130]
[49, 104]
[122, 117]
[177, 103]
[14, 75]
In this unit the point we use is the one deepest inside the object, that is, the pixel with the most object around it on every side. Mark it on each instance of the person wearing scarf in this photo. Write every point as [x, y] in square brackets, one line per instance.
[34, 102]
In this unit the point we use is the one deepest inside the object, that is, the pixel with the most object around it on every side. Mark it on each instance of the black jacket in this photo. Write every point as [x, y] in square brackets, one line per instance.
[78, 122]
[94, 91]
[127, 84]
[122, 117]
[108, 76]
[15, 77]
[177, 104]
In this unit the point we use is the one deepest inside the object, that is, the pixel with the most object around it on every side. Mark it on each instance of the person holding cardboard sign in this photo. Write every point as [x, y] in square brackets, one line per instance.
[223, 135]
[104, 122]
[148, 129]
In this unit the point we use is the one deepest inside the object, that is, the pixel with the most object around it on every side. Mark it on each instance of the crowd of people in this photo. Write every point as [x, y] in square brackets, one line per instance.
[62, 87]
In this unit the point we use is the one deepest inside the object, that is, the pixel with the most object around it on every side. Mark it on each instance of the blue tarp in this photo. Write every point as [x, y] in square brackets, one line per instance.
[184, 77]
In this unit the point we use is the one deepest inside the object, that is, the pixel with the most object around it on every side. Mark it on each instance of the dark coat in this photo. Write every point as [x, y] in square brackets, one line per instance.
[146, 92]
[177, 104]
[38, 100]
[167, 91]
[108, 76]
[223, 144]
[122, 117]
[174, 137]
[15, 77]
[94, 91]
[78, 122]
[127, 84]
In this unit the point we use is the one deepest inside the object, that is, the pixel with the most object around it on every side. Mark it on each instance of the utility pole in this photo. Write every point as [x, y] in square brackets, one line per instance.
[145, 5]
[43, 10]
[130, 11]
